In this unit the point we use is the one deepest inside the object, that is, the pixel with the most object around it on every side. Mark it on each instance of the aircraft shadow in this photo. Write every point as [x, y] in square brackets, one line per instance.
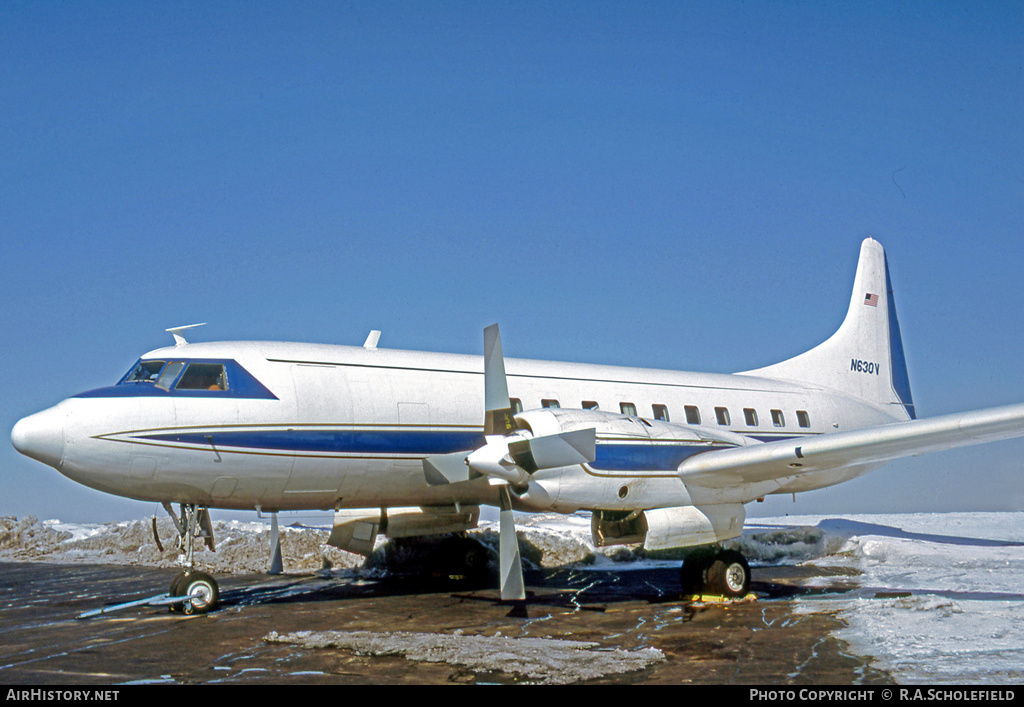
[845, 527]
[854, 527]
[555, 587]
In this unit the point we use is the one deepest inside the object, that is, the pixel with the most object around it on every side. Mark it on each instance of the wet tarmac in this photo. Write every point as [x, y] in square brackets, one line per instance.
[757, 642]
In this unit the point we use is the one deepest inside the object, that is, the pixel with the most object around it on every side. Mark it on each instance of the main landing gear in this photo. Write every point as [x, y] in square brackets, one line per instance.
[712, 570]
[200, 588]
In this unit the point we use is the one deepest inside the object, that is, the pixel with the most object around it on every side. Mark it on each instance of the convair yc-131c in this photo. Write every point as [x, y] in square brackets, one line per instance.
[407, 443]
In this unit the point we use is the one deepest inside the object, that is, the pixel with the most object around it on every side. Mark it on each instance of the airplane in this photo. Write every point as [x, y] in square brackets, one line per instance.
[408, 443]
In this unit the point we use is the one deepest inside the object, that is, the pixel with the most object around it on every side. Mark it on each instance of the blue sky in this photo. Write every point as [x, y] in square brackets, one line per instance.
[676, 185]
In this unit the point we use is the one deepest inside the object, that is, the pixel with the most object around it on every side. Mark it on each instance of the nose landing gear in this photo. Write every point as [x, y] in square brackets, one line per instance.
[200, 588]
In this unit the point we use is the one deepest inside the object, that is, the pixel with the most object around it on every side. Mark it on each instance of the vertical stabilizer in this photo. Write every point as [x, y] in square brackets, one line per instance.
[865, 357]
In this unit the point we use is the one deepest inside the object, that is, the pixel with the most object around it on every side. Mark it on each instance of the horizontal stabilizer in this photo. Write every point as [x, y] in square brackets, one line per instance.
[872, 445]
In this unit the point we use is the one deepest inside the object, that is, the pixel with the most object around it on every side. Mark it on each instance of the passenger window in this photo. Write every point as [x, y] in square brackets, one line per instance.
[802, 418]
[627, 409]
[722, 415]
[516, 404]
[660, 412]
[549, 404]
[692, 414]
[778, 419]
[170, 372]
[203, 376]
[750, 415]
[590, 405]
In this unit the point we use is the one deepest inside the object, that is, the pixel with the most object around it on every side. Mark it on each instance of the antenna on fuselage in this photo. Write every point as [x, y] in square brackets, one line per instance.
[179, 340]
[371, 340]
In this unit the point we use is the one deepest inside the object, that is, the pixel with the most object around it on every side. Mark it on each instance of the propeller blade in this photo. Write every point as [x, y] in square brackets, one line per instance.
[511, 565]
[552, 451]
[498, 414]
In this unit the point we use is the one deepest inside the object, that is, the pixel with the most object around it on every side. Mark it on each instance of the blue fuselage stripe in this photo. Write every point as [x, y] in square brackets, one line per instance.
[611, 456]
[334, 441]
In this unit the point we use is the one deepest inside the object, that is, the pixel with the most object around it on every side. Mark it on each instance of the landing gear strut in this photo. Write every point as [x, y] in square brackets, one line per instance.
[716, 571]
[201, 588]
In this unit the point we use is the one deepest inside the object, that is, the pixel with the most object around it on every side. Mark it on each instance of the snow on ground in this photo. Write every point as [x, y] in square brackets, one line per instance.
[937, 597]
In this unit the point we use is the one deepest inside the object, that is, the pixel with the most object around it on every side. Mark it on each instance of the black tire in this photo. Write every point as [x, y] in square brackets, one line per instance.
[176, 589]
[204, 592]
[729, 575]
[691, 575]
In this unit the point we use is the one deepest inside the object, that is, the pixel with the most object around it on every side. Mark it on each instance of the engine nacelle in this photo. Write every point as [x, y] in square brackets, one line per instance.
[356, 530]
[666, 528]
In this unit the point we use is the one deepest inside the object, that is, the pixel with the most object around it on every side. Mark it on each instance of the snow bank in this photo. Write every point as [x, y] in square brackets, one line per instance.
[243, 547]
[240, 547]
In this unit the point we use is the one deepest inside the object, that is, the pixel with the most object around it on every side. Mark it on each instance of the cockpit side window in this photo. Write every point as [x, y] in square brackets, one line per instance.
[145, 372]
[203, 376]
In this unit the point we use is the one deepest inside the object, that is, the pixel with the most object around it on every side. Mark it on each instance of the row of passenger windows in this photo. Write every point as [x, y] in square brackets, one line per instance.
[692, 413]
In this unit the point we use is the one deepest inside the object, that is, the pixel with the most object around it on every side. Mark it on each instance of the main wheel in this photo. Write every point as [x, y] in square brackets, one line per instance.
[691, 575]
[202, 590]
[729, 575]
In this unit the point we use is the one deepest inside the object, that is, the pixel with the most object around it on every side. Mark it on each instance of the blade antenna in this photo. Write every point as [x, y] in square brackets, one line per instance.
[176, 332]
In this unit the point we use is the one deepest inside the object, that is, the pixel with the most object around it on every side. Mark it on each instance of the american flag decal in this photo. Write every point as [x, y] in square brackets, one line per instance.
[871, 300]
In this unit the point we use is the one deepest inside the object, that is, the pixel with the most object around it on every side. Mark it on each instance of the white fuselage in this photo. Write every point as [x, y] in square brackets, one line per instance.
[349, 427]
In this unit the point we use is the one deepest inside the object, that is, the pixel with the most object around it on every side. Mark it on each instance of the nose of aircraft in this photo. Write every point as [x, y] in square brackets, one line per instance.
[41, 436]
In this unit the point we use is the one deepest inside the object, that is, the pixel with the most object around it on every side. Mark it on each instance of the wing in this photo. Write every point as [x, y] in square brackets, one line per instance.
[838, 450]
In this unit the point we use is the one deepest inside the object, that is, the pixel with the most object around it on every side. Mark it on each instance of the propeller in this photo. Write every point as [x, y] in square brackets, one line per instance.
[508, 459]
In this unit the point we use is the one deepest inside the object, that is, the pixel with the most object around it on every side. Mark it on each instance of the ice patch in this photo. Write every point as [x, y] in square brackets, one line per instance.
[539, 660]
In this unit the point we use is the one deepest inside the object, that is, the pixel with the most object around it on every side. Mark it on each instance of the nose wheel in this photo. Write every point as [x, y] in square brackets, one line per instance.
[200, 588]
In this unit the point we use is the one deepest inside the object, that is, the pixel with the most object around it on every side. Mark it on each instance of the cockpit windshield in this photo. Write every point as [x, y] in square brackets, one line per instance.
[170, 373]
[186, 378]
[198, 375]
[145, 372]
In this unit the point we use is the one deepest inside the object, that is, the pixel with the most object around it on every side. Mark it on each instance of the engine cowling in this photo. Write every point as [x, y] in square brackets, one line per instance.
[667, 528]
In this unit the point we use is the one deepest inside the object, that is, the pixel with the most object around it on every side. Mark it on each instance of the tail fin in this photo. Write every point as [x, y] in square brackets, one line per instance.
[865, 357]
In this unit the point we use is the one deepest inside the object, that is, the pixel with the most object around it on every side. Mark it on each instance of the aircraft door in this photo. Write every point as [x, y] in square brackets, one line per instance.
[324, 415]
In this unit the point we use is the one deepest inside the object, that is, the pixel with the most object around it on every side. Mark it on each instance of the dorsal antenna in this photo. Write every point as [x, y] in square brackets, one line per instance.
[179, 340]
